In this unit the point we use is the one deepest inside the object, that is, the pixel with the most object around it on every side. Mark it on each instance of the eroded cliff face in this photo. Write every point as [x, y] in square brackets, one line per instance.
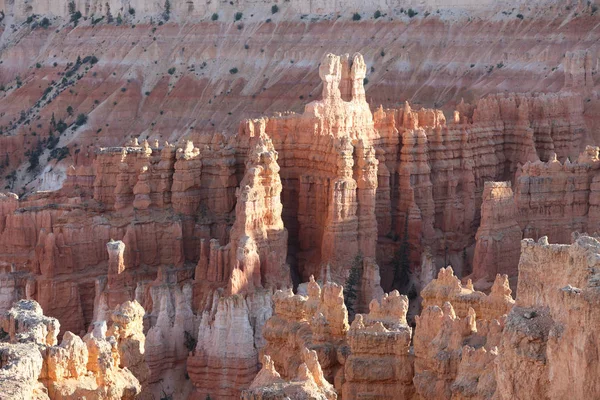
[34, 365]
[201, 95]
[552, 323]
[466, 345]
[202, 233]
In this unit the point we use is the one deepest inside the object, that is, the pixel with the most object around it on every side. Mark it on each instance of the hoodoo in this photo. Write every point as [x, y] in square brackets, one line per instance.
[304, 200]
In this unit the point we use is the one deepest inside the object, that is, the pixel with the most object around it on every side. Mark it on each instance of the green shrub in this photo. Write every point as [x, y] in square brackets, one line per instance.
[352, 282]
[189, 341]
[377, 14]
[75, 17]
[238, 15]
[520, 16]
[274, 9]
[38, 65]
[58, 153]
[167, 13]
[171, 70]
[233, 71]
[215, 17]
[356, 17]
[61, 126]
[131, 11]
[411, 13]
[81, 119]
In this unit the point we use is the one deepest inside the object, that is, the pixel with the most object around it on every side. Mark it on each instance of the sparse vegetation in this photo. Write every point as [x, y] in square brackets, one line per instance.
[215, 17]
[58, 153]
[274, 9]
[45, 23]
[500, 65]
[401, 260]
[131, 11]
[38, 65]
[109, 16]
[365, 81]
[167, 12]
[165, 396]
[171, 70]
[70, 110]
[75, 17]
[520, 16]
[233, 71]
[411, 13]
[61, 126]
[356, 17]
[81, 119]
[377, 14]
[350, 288]
[189, 341]
[238, 15]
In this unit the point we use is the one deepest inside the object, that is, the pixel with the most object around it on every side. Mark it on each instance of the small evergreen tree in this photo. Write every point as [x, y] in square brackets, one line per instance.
[109, 17]
[351, 286]
[167, 12]
[401, 261]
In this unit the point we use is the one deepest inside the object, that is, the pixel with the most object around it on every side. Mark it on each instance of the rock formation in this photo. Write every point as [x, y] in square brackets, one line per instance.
[378, 363]
[498, 238]
[454, 356]
[551, 325]
[202, 233]
[308, 383]
[89, 367]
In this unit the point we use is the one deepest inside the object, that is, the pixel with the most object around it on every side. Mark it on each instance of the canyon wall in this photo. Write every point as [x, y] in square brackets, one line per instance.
[202, 9]
[465, 345]
[552, 322]
[123, 85]
[203, 232]
[315, 189]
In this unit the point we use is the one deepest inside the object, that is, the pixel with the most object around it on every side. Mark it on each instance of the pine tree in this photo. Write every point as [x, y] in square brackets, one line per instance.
[350, 288]
[167, 12]
[109, 17]
[401, 260]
